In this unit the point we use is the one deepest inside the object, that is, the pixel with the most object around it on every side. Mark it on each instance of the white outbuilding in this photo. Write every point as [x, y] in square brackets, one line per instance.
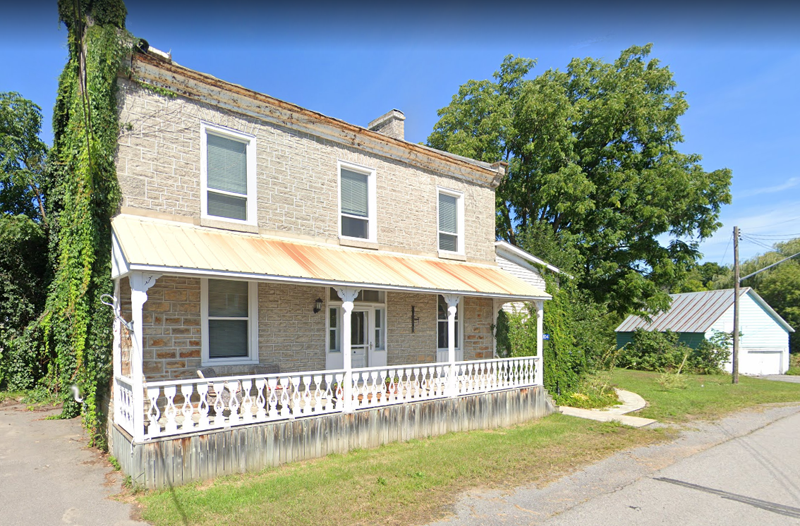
[696, 316]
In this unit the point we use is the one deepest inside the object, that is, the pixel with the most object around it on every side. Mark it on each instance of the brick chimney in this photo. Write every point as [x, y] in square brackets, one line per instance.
[390, 124]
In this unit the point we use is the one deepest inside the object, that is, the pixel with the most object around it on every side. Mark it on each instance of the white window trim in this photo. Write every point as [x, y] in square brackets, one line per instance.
[459, 220]
[460, 317]
[252, 327]
[372, 201]
[328, 307]
[252, 198]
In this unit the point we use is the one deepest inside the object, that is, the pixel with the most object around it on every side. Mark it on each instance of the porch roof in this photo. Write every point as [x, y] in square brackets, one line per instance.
[144, 244]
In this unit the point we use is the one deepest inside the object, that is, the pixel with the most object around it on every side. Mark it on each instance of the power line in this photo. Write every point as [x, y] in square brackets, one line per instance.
[721, 261]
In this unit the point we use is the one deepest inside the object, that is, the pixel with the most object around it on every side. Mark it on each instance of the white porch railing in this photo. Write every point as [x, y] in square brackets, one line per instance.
[174, 407]
[123, 403]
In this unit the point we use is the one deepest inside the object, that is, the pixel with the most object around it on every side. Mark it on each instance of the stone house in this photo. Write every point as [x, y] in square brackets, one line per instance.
[274, 265]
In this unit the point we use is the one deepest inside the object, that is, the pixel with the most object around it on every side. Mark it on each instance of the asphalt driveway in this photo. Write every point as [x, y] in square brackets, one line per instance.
[49, 477]
[743, 470]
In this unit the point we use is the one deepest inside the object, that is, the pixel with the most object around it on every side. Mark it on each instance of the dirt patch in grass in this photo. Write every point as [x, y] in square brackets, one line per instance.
[408, 483]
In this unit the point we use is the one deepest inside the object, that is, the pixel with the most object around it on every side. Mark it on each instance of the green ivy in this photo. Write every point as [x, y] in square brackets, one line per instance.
[85, 123]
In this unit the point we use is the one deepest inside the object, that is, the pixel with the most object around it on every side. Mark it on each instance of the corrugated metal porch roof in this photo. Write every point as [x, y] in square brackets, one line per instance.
[166, 246]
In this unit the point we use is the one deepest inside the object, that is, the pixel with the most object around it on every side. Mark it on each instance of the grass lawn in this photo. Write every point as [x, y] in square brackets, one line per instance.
[404, 483]
[705, 397]
[415, 482]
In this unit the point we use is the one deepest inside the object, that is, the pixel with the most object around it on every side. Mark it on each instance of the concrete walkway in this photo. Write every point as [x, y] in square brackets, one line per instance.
[50, 477]
[619, 413]
[794, 379]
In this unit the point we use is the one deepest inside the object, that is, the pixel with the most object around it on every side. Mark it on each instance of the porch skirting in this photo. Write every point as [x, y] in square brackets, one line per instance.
[174, 461]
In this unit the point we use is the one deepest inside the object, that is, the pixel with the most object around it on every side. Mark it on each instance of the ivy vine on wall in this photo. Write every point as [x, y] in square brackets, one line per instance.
[85, 123]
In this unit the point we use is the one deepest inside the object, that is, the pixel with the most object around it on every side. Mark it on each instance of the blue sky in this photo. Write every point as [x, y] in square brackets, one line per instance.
[739, 67]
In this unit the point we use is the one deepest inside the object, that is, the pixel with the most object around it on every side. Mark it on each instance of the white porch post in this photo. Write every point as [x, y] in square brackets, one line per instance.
[348, 296]
[116, 353]
[452, 309]
[539, 377]
[140, 283]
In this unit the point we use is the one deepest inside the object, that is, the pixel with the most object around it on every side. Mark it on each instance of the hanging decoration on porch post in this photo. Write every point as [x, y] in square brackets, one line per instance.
[414, 319]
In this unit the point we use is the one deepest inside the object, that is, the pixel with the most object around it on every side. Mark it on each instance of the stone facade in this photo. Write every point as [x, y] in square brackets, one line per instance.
[289, 332]
[158, 166]
[171, 318]
[478, 320]
[403, 346]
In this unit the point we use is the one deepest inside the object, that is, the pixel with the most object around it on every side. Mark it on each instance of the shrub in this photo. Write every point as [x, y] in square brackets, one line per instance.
[661, 351]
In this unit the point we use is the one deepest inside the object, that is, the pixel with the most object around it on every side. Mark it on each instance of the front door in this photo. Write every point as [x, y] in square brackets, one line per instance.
[359, 337]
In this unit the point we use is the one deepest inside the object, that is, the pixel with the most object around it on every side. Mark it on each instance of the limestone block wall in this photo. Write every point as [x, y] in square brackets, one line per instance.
[478, 319]
[289, 332]
[158, 166]
[404, 346]
[171, 318]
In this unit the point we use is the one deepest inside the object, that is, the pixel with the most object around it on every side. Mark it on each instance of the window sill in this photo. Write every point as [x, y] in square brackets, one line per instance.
[229, 225]
[358, 243]
[444, 254]
[213, 362]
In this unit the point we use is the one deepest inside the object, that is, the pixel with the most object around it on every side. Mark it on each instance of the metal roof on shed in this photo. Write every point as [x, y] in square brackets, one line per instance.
[168, 246]
[695, 312]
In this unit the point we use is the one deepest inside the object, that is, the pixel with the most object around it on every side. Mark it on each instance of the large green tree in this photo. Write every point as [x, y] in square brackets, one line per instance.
[24, 269]
[593, 156]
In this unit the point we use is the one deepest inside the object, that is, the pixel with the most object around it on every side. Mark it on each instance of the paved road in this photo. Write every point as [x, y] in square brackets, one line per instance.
[48, 476]
[742, 470]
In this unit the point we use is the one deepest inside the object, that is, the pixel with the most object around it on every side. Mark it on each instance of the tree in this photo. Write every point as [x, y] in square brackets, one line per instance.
[701, 277]
[24, 269]
[592, 155]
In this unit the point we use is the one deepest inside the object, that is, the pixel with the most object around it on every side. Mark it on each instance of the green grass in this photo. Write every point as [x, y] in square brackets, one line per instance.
[33, 398]
[405, 483]
[705, 396]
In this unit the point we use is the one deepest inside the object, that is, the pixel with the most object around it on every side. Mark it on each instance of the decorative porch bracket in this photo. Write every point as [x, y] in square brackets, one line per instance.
[140, 284]
[452, 308]
[348, 296]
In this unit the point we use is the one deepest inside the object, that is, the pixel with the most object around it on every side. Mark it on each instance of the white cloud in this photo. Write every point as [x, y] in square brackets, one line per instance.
[790, 183]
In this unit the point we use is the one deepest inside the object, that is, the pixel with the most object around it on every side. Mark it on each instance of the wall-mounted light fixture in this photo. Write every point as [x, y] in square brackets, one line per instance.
[318, 305]
[414, 319]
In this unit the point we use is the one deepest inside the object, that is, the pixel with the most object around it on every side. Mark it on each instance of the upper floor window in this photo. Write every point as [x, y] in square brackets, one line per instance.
[357, 202]
[451, 221]
[228, 175]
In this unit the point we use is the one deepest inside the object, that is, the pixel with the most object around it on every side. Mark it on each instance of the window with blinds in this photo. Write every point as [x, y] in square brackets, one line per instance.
[228, 319]
[228, 172]
[355, 203]
[448, 223]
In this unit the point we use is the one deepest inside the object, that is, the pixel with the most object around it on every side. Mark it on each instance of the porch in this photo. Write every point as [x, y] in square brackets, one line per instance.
[352, 338]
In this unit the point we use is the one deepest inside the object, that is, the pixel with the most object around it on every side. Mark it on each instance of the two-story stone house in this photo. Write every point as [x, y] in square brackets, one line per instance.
[326, 268]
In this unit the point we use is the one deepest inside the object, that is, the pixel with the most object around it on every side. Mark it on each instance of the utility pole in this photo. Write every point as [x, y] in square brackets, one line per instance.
[735, 357]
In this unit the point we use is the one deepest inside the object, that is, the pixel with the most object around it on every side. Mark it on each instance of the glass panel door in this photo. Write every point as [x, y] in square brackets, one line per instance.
[359, 337]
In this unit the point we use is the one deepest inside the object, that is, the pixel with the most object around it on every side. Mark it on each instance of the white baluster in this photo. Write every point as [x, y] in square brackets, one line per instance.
[317, 394]
[284, 394]
[261, 401]
[153, 414]
[247, 400]
[233, 403]
[170, 411]
[202, 407]
[188, 408]
[273, 399]
[219, 404]
[328, 394]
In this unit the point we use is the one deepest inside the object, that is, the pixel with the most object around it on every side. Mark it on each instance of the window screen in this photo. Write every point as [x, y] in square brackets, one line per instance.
[226, 177]
[355, 204]
[448, 222]
[228, 319]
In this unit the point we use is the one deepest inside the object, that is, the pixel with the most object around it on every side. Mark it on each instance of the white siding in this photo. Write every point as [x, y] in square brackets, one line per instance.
[764, 344]
[522, 270]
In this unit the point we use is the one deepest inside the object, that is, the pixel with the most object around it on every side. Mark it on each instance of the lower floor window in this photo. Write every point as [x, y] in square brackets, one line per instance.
[229, 314]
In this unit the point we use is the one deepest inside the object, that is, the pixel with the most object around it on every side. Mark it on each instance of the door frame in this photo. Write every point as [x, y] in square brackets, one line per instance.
[374, 357]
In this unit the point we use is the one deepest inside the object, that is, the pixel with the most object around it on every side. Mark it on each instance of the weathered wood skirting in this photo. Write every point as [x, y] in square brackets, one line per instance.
[175, 461]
